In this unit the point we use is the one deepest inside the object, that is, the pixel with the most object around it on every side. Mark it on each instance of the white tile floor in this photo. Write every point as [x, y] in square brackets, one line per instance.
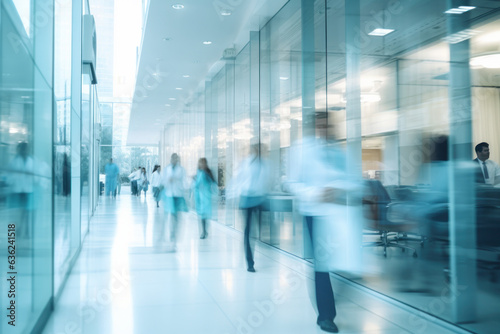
[125, 282]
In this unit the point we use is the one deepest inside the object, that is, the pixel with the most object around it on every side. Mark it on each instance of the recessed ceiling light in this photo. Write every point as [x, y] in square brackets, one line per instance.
[207, 42]
[185, 76]
[283, 78]
[380, 32]
[225, 12]
[178, 88]
[167, 105]
[178, 6]
[460, 10]
[172, 98]
[454, 11]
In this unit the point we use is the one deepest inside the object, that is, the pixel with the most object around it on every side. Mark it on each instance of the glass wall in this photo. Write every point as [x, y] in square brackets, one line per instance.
[26, 170]
[62, 141]
[44, 179]
[407, 89]
[86, 152]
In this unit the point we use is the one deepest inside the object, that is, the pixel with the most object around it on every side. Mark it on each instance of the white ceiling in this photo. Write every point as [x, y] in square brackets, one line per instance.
[162, 64]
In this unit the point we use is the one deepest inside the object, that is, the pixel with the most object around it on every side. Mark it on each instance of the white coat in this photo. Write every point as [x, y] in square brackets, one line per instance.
[337, 230]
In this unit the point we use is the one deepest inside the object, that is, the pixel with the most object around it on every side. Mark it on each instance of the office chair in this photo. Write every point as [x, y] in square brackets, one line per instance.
[377, 204]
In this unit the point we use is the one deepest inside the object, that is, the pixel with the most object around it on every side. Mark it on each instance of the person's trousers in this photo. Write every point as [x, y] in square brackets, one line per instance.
[203, 227]
[134, 187]
[248, 224]
[325, 299]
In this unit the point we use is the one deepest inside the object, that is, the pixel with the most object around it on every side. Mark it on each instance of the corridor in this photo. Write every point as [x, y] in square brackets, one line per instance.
[126, 281]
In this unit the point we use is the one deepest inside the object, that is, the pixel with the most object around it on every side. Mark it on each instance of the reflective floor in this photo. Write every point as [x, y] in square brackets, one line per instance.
[128, 280]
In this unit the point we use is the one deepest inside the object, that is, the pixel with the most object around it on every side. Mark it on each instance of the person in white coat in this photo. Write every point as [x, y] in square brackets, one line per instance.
[173, 180]
[253, 183]
[142, 182]
[330, 202]
[156, 184]
[134, 176]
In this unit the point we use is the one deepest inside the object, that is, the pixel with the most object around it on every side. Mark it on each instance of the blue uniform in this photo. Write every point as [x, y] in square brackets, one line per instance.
[203, 194]
[112, 171]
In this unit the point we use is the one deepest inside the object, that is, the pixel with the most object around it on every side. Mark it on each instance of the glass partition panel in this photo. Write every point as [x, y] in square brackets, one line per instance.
[62, 142]
[26, 107]
[85, 153]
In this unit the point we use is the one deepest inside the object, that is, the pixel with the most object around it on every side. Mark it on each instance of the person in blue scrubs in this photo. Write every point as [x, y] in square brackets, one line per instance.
[112, 171]
[203, 184]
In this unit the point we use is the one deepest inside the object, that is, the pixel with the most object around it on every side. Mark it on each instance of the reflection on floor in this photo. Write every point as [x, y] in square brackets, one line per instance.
[421, 282]
[126, 281]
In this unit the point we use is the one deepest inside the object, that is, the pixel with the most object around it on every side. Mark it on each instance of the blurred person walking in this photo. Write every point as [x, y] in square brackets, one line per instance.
[156, 184]
[112, 173]
[118, 185]
[327, 201]
[134, 176]
[142, 182]
[203, 184]
[252, 183]
[173, 180]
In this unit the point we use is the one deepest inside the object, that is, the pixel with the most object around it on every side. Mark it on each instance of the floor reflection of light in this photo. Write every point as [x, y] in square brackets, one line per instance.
[194, 258]
[228, 279]
[371, 327]
[122, 310]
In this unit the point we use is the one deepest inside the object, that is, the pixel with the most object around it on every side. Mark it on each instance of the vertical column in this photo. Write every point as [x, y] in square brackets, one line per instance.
[208, 124]
[353, 115]
[76, 103]
[255, 86]
[41, 219]
[230, 112]
[308, 90]
[308, 69]
[353, 90]
[461, 191]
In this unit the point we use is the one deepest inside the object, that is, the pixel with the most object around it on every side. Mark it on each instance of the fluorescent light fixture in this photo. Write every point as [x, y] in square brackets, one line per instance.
[178, 6]
[461, 36]
[25, 97]
[167, 105]
[172, 98]
[283, 78]
[185, 76]
[454, 11]
[225, 12]
[486, 61]
[207, 42]
[178, 88]
[380, 32]
[459, 10]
